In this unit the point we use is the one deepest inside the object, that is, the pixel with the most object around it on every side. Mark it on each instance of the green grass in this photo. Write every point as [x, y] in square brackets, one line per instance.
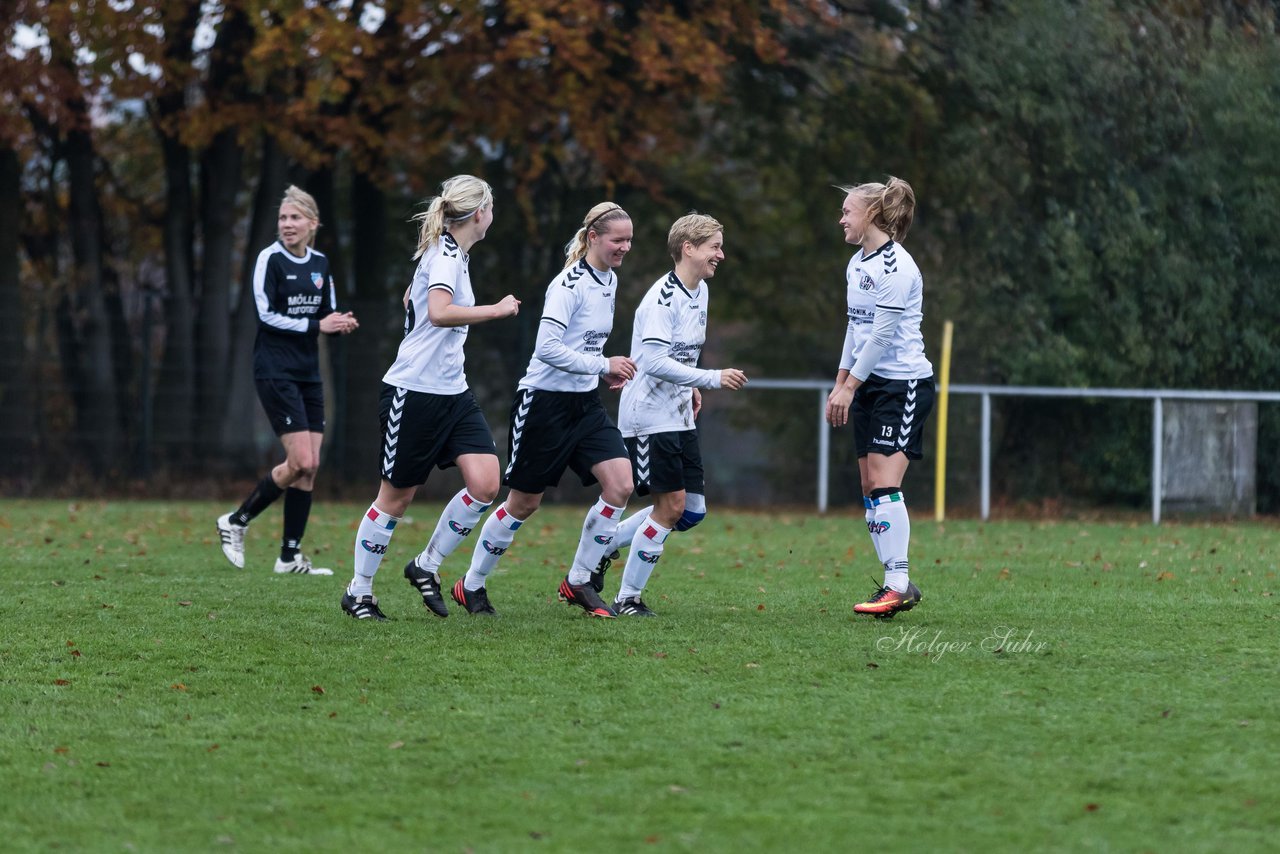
[152, 698]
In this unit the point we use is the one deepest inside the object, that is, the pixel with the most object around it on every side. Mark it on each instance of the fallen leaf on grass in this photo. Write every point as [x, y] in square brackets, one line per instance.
[395, 745]
[103, 764]
[317, 689]
[185, 603]
[760, 607]
[659, 655]
[62, 750]
[212, 748]
[178, 686]
[752, 664]
[1090, 807]
[62, 682]
[873, 665]
[1164, 576]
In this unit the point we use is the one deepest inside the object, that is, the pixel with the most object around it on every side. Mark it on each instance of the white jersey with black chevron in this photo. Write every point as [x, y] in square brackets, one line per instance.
[861, 303]
[430, 358]
[666, 342]
[577, 318]
[893, 281]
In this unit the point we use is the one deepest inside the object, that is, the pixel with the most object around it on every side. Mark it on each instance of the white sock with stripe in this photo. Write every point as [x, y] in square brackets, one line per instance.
[871, 526]
[627, 527]
[372, 538]
[460, 515]
[599, 529]
[646, 549]
[894, 533]
[495, 538]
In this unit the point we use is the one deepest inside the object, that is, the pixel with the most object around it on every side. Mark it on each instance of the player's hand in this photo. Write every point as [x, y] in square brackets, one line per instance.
[697, 403]
[508, 306]
[614, 382]
[838, 405]
[338, 323]
[621, 366]
[732, 379]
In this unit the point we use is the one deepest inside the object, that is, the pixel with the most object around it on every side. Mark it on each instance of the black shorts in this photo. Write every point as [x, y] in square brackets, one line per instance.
[667, 462]
[888, 416]
[555, 430]
[292, 407]
[421, 430]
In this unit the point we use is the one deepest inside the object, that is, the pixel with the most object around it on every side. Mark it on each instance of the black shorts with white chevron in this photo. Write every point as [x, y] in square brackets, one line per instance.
[667, 462]
[888, 416]
[421, 430]
[555, 430]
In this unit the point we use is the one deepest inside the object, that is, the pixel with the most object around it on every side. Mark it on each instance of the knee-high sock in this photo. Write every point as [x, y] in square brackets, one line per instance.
[297, 510]
[460, 515]
[260, 499]
[627, 527]
[871, 526]
[495, 538]
[598, 531]
[372, 537]
[646, 549]
[894, 527]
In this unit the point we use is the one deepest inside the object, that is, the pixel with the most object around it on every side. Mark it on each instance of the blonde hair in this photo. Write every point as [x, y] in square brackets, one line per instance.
[460, 198]
[306, 205]
[693, 228]
[891, 206]
[597, 220]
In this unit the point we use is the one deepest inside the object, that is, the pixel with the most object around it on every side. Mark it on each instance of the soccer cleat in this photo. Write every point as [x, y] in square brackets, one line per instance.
[427, 584]
[300, 565]
[586, 598]
[885, 602]
[633, 607]
[597, 574]
[363, 607]
[475, 601]
[912, 597]
[232, 537]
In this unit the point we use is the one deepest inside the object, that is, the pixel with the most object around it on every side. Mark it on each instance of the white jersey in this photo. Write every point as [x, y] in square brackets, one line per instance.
[430, 357]
[670, 329]
[862, 310]
[577, 318]
[890, 345]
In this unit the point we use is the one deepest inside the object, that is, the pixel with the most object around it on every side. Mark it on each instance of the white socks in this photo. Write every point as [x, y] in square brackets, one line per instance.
[460, 515]
[646, 549]
[372, 537]
[598, 531]
[628, 527]
[496, 536]
[893, 535]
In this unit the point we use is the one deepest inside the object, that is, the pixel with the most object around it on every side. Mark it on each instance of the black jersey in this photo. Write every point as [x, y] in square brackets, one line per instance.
[291, 294]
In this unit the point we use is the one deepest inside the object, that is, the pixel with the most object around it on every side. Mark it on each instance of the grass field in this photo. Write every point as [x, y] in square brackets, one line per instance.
[1063, 686]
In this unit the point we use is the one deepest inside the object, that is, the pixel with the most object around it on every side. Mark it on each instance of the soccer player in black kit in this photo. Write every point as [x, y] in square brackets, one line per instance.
[296, 301]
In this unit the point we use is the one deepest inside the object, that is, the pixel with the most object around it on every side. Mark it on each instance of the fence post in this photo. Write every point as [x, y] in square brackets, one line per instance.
[824, 451]
[986, 456]
[1157, 457]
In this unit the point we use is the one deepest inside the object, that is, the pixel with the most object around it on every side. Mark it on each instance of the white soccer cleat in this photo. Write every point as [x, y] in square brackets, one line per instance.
[232, 537]
[300, 565]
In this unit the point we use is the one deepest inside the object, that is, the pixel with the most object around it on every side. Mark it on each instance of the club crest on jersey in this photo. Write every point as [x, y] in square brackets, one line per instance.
[458, 529]
[317, 280]
[867, 283]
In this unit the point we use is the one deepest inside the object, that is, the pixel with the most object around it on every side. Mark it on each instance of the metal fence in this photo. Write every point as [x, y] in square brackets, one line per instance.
[986, 393]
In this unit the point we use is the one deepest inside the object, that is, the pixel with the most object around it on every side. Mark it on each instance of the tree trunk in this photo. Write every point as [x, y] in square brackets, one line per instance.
[16, 423]
[242, 401]
[220, 181]
[175, 409]
[98, 420]
[371, 348]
